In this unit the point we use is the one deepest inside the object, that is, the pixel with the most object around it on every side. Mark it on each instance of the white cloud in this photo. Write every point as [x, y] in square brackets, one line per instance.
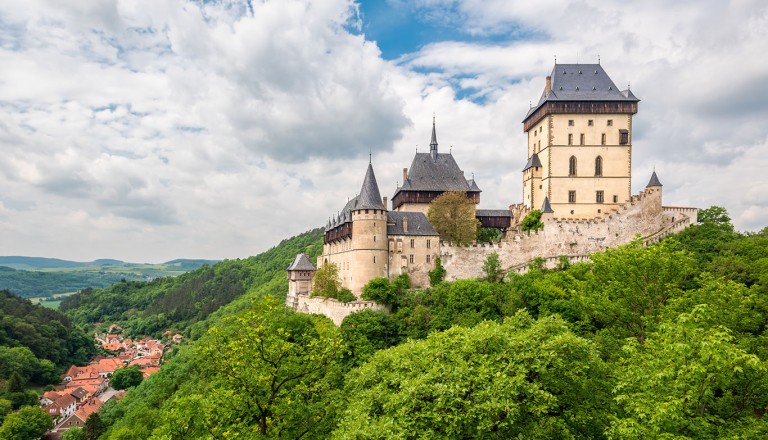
[156, 129]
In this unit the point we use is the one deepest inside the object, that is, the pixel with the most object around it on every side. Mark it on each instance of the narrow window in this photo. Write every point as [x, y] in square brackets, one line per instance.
[374, 238]
[581, 139]
[602, 139]
[615, 199]
[572, 166]
[428, 258]
[598, 166]
[599, 196]
[411, 259]
[570, 139]
[374, 260]
[590, 122]
[366, 211]
[623, 137]
[571, 197]
[570, 122]
[413, 242]
[429, 244]
[610, 122]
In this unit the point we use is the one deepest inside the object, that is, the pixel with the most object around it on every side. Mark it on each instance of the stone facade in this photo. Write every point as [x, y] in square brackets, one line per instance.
[579, 172]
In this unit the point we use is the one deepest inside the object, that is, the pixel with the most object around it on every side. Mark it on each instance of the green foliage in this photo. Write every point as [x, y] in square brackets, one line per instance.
[384, 292]
[149, 308]
[688, 380]
[452, 214]
[526, 378]
[437, 275]
[72, 434]
[488, 235]
[36, 342]
[126, 377]
[532, 221]
[366, 332]
[326, 282]
[93, 427]
[28, 423]
[717, 215]
[492, 268]
[629, 285]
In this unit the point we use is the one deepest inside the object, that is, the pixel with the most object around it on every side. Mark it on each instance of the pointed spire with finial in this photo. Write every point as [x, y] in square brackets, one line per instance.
[546, 208]
[654, 180]
[433, 142]
[369, 197]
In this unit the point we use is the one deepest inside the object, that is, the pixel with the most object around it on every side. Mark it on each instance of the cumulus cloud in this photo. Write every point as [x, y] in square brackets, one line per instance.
[154, 129]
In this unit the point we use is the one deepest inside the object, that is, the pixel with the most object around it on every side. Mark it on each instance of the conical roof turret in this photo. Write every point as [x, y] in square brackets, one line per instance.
[370, 197]
[546, 208]
[654, 180]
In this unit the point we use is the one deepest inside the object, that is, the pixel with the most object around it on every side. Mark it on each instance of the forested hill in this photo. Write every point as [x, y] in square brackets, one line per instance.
[149, 308]
[667, 341]
[36, 344]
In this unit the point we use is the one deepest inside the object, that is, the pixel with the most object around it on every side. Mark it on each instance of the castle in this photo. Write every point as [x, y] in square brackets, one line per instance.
[578, 174]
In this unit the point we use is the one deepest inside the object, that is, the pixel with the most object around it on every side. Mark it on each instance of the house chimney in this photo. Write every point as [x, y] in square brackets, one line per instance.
[384, 201]
[405, 175]
[405, 224]
[548, 87]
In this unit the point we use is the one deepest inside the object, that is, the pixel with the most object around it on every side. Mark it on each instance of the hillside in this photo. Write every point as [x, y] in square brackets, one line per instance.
[667, 340]
[31, 277]
[151, 307]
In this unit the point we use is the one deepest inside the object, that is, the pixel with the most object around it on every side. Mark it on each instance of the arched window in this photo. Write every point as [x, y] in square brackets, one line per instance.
[598, 166]
[572, 166]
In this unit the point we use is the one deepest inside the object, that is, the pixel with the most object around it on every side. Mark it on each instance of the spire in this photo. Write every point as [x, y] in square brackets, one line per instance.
[546, 208]
[370, 197]
[433, 142]
[654, 180]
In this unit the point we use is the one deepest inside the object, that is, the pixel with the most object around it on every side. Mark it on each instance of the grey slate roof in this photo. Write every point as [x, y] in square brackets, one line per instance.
[534, 161]
[546, 207]
[582, 82]
[473, 185]
[654, 181]
[370, 197]
[417, 224]
[301, 262]
[493, 213]
[440, 173]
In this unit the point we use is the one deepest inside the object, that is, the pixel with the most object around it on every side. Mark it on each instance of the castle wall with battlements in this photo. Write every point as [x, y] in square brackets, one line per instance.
[643, 215]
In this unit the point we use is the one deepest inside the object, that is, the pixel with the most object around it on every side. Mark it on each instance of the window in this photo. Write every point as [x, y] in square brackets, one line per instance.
[374, 237]
[411, 259]
[598, 196]
[581, 139]
[366, 211]
[374, 260]
[570, 122]
[535, 133]
[570, 139]
[571, 197]
[429, 244]
[428, 258]
[598, 166]
[610, 122]
[572, 166]
[602, 139]
[413, 243]
[541, 128]
[623, 137]
[590, 122]
[615, 199]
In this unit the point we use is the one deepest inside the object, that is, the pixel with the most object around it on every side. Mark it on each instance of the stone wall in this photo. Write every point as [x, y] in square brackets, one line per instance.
[643, 216]
[333, 309]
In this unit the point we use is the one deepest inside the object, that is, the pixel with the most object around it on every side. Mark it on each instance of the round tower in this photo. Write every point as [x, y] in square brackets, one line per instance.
[369, 235]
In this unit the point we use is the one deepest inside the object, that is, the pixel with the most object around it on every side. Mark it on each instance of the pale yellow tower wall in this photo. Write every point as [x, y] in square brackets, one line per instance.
[591, 135]
[369, 258]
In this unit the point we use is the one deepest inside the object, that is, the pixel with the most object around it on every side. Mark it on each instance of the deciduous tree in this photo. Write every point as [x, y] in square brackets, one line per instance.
[452, 215]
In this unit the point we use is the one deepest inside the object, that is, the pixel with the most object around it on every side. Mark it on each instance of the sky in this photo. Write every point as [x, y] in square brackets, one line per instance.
[148, 130]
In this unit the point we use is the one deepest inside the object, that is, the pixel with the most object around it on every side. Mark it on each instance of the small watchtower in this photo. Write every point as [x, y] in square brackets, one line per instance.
[300, 275]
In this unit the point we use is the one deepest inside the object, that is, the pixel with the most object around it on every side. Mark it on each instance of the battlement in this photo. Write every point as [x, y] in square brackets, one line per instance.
[332, 308]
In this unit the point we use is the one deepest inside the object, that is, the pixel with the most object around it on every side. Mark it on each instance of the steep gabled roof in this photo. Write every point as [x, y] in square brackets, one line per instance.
[301, 262]
[581, 82]
[440, 173]
[417, 224]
